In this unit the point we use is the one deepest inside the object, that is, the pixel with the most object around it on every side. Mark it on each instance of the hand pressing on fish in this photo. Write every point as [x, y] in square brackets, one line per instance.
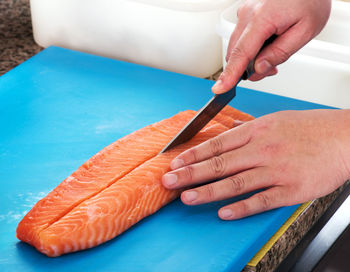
[293, 156]
[285, 158]
[295, 22]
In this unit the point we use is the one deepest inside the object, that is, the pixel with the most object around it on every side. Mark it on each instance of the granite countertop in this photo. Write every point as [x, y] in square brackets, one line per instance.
[16, 36]
[17, 45]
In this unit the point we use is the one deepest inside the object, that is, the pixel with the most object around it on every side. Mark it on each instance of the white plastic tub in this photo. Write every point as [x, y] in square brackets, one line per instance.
[175, 35]
[319, 72]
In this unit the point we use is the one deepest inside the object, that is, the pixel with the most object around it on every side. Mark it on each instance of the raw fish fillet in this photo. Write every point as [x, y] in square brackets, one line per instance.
[114, 189]
[100, 171]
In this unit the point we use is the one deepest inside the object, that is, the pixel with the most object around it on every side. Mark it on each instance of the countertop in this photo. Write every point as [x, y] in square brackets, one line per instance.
[17, 45]
[16, 36]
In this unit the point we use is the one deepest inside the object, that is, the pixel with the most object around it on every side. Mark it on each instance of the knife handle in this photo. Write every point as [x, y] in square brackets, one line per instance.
[250, 68]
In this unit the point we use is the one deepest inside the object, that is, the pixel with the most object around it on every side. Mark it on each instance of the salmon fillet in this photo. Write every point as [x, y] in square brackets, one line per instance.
[236, 114]
[104, 168]
[228, 115]
[127, 173]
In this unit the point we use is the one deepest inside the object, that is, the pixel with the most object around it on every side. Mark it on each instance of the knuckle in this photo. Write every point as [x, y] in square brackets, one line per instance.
[256, 12]
[245, 9]
[270, 149]
[188, 171]
[238, 53]
[241, 11]
[244, 208]
[210, 192]
[215, 145]
[192, 155]
[237, 183]
[260, 126]
[217, 165]
[229, 70]
[280, 54]
[263, 23]
[269, 27]
[308, 34]
[264, 200]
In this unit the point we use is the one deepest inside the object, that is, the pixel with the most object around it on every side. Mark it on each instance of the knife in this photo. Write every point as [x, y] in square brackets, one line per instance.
[212, 108]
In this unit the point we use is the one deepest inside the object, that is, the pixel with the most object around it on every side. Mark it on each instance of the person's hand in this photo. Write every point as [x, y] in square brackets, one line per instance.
[295, 22]
[294, 156]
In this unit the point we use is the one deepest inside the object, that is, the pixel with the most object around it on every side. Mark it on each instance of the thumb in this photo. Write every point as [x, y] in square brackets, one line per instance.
[246, 48]
[282, 48]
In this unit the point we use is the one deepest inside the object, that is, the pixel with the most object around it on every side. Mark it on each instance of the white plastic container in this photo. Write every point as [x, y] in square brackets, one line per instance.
[175, 35]
[319, 72]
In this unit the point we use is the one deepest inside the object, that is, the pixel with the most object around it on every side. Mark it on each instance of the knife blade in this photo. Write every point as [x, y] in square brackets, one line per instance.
[212, 108]
[204, 115]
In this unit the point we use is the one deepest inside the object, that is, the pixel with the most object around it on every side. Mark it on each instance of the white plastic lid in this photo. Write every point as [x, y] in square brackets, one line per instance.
[189, 5]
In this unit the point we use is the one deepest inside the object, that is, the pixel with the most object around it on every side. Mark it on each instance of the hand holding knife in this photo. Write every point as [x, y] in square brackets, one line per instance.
[212, 108]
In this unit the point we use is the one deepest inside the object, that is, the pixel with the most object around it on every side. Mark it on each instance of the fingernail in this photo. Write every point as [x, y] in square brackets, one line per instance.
[169, 179]
[226, 213]
[177, 163]
[218, 86]
[263, 67]
[190, 195]
[237, 123]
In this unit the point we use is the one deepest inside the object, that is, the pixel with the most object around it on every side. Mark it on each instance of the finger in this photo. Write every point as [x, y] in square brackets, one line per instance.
[237, 32]
[241, 183]
[224, 142]
[224, 165]
[247, 47]
[263, 201]
[244, 13]
[283, 47]
[256, 77]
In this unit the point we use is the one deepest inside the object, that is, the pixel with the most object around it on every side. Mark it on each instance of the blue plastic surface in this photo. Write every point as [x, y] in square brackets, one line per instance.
[61, 107]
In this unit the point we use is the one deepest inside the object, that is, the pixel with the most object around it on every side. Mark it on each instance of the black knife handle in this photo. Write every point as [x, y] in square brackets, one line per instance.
[250, 69]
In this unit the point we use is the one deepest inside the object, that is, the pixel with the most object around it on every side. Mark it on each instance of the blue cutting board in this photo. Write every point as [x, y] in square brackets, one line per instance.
[61, 107]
